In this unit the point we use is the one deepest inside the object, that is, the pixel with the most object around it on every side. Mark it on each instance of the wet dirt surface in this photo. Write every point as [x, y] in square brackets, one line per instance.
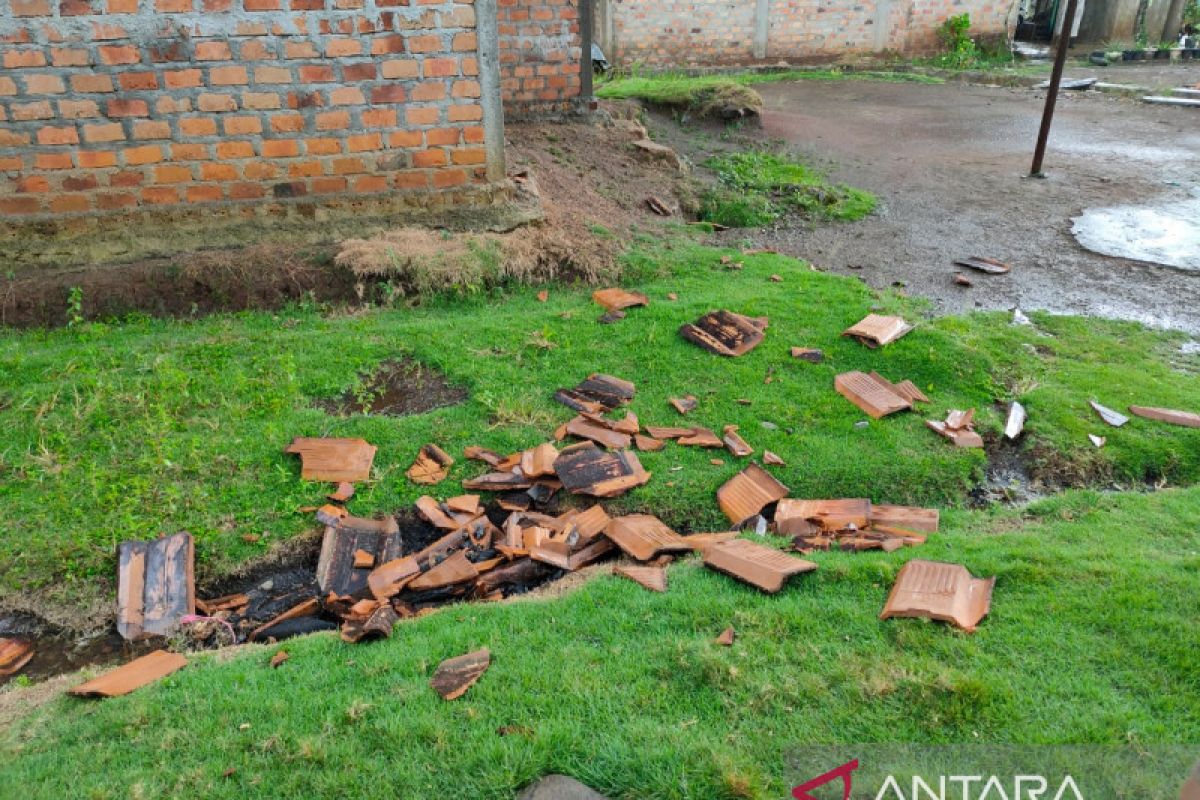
[948, 163]
[397, 388]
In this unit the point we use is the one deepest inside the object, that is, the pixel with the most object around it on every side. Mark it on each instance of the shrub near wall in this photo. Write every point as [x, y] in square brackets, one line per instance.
[112, 105]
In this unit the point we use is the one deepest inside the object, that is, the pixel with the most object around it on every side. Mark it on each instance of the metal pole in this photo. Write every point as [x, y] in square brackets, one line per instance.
[1060, 58]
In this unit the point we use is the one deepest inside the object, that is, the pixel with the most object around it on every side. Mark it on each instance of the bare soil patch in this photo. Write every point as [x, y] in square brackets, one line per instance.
[396, 388]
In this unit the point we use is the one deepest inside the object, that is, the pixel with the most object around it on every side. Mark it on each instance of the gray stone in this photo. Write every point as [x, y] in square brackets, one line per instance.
[559, 787]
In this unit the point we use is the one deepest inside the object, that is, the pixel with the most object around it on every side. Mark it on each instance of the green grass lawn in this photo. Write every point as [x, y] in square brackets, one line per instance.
[130, 430]
[1091, 638]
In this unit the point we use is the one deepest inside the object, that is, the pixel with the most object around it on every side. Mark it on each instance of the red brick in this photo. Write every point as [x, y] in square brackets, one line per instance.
[216, 6]
[350, 96]
[316, 74]
[303, 49]
[333, 121]
[272, 75]
[441, 137]
[242, 126]
[422, 116]
[95, 159]
[379, 118]
[92, 83]
[146, 154]
[8, 87]
[204, 194]
[114, 201]
[322, 147]
[340, 48]
[352, 73]
[27, 111]
[172, 173]
[17, 59]
[305, 169]
[429, 158]
[291, 123]
[441, 67]
[445, 178]
[218, 172]
[328, 185]
[370, 183]
[126, 179]
[362, 142]
[65, 57]
[151, 129]
[183, 78]
[122, 6]
[427, 43]
[160, 195]
[405, 139]
[52, 136]
[228, 150]
[70, 204]
[119, 54]
[44, 84]
[246, 191]
[181, 151]
[20, 205]
[216, 102]
[127, 108]
[347, 166]
[471, 156]
[466, 113]
[464, 42]
[47, 161]
[31, 8]
[213, 51]
[473, 135]
[172, 6]
[280, 148]
[262, 5]
[228, 76]
[138, 81]
[429, 90]
[400, 68]
[32, 184]
[465, 89]
[384, 45]
[390, 93]
[470, 66]
[261, 101]
[198, 126]
[80, 183]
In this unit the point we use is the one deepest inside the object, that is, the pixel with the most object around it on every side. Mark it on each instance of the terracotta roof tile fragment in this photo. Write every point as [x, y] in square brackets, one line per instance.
[15, 653]
[652, 578]
[758, 565]
[333, 460]
[725, 333]
[874, 395]
[586, 469]
[134, 675]
[876, 330]
[642, 537]
[617, 299]
[155, 586]
[748, 492]
[455, 675]
[1168, 415]
[431, 466]
[945, 592]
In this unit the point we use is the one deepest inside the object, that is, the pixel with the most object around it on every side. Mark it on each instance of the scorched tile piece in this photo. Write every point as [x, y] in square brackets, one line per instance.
[748, 492]
[464, 504]
[876, 330]
[983, 264]
[333, 460]
[1168, 415]
[498, 482]
[388, 579]
[585, 428]
[758, 565]
[432, 466]
[725, 333]
[586, 469]
[155, 586]
[335, 566]
[476, 453]
[455, 569]
[809, 354]
[876, 397]
[377, 625]
[134, 675]
[15, 653]
[830, 515]
[939, 591]
[597, 394]
[455, 675]
[642, 537]
[652, 578]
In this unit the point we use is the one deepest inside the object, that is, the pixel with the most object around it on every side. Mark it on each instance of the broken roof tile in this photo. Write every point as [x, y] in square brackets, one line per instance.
[455, 675]
[363, 559]
[476, 453]
[983, 264]
[432, 466]
[335, 565]
[961, 437]
[911, 517]
[726, 637]
[15, 653]
[617, 299]
[725, 333]
[748, 492]
[155, 586]
[773, 460]
[589, 524]
[642, 537]
[388, 579]
[763, 567]
[809, 354]
[652, 578]
[573, 561]
[667, 433]
[702, 541]
[586, 428]
[647, 443]
[875, 330]
[597, 394]
[1168, 415]
[684, 404]
[735, 443]
[465, 504]
[539, 460]
[874, 395]
[629, 424]
[586, 469]
[1114, 418]
[344, 491]
[377, 625]
[333, 460]
[134, 675]
[829, 515]
[497, 482]
[701, 437]
[454, 569]
[431, 511]
[939, 591]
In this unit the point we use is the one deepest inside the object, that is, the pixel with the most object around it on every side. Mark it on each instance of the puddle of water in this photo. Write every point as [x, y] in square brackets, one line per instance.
[1167, 234]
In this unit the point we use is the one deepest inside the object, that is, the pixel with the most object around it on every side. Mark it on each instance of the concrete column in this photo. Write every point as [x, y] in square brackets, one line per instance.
[488, 50]
[883, 14]
[762, 27]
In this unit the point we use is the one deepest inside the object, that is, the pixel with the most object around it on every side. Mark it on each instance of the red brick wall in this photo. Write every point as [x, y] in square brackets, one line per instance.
[113, 105]
[540, 50]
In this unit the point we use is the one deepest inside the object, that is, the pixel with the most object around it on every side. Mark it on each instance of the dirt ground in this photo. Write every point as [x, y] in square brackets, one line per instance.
[949, 164]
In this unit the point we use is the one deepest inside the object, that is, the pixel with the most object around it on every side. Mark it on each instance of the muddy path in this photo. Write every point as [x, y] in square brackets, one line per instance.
[949, 164]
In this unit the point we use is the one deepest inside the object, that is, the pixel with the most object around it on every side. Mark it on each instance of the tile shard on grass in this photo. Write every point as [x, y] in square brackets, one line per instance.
[725, 333]
[726, 637]
[333, 460]
[875, 395]
[1113, 418]
[586, 469]
[810, 354]
[156, 586]
[134, 675]
[748, 492]
[1169, 415]
[15, 653]
[734, 443]
[455, 676]
[431, 467]
[875, 330]
[652, 578]
[958, 427]
[643, 537]
[597, 394]
[940, 591]
[758, 565]
[618, 299]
